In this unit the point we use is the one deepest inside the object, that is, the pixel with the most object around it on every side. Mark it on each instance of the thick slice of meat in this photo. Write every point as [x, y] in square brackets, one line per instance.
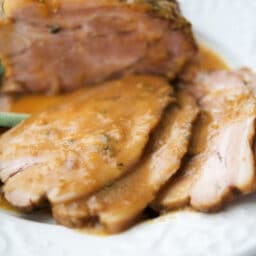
[224, 166]
[75, 148]
[118, 206]
[61, 45]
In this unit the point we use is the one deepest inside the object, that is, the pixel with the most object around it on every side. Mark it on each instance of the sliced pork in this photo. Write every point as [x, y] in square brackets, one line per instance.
[118, 206]
[76, 148]
[51, 46]
[223, 164]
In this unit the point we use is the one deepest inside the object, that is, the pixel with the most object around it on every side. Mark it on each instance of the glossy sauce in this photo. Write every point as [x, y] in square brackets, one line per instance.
[206, 60]
[5, 205]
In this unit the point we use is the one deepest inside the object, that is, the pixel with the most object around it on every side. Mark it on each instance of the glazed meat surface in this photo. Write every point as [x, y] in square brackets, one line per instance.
[223, 164]
[75, 148]
[52, 46]
[119, 206]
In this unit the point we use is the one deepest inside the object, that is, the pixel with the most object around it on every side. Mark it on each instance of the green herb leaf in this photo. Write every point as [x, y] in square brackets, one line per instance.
[11, 119]
[2, 72]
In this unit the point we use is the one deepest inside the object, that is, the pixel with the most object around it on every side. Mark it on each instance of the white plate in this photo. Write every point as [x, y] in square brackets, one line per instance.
[228, 26]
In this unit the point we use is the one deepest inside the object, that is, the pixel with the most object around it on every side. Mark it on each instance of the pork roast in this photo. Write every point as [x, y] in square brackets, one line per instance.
[51, 46]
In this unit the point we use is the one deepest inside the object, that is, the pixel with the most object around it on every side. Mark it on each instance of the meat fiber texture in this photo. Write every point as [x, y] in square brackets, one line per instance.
[222, 162]
[120, 205]
[75, 148]
[54, 46]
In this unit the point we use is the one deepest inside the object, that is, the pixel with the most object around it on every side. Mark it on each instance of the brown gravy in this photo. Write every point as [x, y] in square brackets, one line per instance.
[5, 205]
[206, 60]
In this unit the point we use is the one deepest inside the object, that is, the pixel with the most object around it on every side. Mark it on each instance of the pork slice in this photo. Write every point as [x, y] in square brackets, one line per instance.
[224, 166]
[76, 148]
[54, 46]
[119, 206]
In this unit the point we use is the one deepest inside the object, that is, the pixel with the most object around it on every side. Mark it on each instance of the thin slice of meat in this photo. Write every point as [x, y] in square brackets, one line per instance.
[225, 166]
[76, 148]
[55, 45]
[117, 207]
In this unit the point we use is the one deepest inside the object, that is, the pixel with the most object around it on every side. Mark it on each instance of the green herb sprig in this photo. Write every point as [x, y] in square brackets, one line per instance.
[9, 120]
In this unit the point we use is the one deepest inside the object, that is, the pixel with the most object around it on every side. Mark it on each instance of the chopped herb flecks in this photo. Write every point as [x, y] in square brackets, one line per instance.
[54, 29]
[2, 72]
[120, 165]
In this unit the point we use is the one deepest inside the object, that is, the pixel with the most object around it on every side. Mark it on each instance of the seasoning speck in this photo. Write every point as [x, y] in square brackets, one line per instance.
[2, 72]
[54, 29]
